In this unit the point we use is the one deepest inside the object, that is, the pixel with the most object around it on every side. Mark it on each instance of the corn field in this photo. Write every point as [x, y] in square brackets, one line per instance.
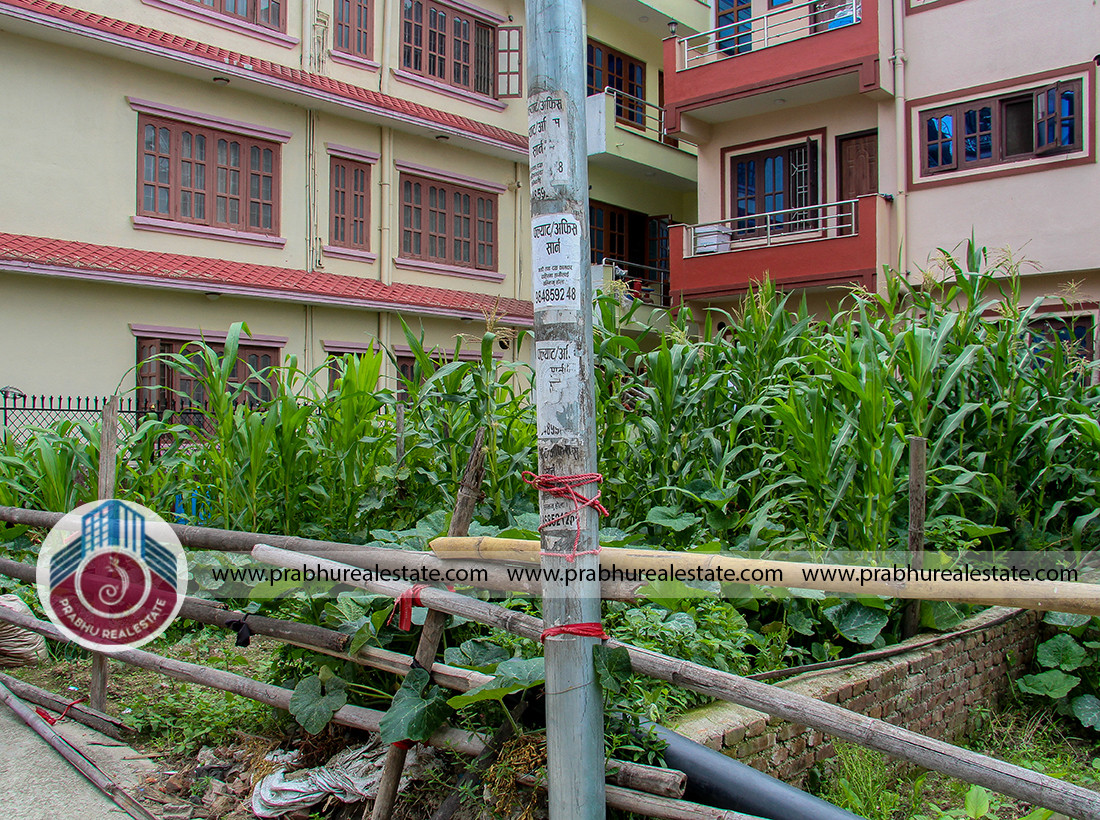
[761, 428]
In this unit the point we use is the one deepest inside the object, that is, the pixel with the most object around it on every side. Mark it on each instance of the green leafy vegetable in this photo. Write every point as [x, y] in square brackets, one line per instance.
[314, 703]
[417, 710]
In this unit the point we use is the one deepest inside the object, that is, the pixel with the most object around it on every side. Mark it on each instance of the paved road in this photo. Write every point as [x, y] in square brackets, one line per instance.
[36, 783]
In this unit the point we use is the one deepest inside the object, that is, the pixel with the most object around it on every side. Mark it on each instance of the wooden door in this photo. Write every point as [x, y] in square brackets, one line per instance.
[858, 158]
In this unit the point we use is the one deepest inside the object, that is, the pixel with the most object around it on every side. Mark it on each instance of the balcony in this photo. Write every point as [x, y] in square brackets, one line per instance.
[645, 283]
[784, 25]
[813, 246]
[830, 42]
[627, 134]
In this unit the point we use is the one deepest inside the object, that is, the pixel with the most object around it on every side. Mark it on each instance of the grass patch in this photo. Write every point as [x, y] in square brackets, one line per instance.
[171, 716]
[877, 787]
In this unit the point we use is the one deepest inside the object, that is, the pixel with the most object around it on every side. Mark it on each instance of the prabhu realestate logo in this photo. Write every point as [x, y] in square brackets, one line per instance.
[111, 575]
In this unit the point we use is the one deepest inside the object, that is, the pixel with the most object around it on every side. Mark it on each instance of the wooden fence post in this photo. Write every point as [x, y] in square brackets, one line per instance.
[108, 454]
[918, 485]
[435, 622]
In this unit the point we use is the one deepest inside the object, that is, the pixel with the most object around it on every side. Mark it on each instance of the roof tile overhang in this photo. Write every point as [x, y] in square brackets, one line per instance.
[66, 259]
[101, 27]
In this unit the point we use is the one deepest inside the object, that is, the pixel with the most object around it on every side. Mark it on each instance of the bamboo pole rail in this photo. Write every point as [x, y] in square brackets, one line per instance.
[326, 641]
[356, 555]
[929, 753]
[357, 717]
[972, 767]
[652, 805]
[104, 724]
[659, 781]
[92, 773]
[1041, 595]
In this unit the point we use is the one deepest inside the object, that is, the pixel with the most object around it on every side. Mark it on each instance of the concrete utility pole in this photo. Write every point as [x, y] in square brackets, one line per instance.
[562, 284]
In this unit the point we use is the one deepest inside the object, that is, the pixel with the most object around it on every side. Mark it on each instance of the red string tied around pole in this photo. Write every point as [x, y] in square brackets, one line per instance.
[403, 606]
[565, 486]
[585, 630]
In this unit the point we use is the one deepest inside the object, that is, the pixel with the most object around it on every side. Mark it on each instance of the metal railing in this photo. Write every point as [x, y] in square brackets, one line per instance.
[782, 25]
[648, 118]
[810, 223]
[645, 282]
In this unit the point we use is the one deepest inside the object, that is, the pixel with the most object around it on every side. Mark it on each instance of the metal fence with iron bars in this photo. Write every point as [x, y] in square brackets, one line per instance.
[20, 414]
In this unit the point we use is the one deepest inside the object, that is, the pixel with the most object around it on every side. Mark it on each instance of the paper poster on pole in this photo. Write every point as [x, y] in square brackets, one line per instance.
[557, 258]
[557, 387]
[548, 142]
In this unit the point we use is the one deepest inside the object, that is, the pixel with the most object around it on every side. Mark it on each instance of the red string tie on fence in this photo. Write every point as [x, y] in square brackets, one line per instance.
[585, 630]
[50, 719]
[403, 607]
[564, 486]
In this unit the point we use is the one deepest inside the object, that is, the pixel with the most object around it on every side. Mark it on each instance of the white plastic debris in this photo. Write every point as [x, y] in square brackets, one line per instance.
[349, 776]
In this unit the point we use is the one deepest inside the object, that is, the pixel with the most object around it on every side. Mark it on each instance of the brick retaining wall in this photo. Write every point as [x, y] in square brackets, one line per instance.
[929, 690]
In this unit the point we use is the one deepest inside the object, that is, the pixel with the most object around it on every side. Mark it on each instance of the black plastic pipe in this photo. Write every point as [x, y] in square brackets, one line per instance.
[720, 781]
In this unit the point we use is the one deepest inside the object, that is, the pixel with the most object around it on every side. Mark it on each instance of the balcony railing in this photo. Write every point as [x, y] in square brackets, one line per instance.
[782, 25]
[646, 117]
[805, 224]
[645, 282]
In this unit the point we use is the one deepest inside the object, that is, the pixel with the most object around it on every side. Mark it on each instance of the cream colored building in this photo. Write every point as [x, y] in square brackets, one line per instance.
[838, 136]
[320, 169]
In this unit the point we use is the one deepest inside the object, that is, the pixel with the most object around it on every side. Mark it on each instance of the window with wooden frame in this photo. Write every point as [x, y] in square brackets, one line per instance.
[448, 224]
[1075, 335]
[733, 21]
[769, 188]
[354, 31]
[406, 375]
[450, 46]
[266, 13]
[1008, 128]
[337, 355]
[350, 204]
[510, 62]
[608, 68]
[162, 386]
[609, 232]
[207, 177]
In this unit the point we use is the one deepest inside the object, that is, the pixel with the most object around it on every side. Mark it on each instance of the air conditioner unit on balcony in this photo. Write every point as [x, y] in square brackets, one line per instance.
[712, 239]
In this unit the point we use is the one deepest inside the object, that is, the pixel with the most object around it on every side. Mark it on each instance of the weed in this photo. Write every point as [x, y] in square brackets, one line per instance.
[863, 783]
[182, 717]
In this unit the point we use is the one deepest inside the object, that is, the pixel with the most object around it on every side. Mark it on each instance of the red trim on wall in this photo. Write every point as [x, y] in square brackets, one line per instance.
[1000, 85]
[43, 256]
[440, 175]
[347, 152]
[198, 118]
